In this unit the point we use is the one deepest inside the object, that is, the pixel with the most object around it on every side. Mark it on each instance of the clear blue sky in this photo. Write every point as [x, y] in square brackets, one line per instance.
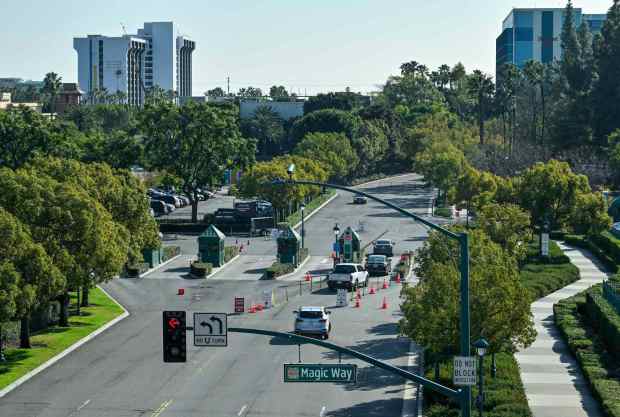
[306, 45]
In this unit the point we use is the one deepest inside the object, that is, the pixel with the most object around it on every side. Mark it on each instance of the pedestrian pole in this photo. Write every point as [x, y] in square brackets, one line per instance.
[465, 342]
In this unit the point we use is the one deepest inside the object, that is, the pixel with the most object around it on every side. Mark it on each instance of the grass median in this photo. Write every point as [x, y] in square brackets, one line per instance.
[294, 218]
[49, 342]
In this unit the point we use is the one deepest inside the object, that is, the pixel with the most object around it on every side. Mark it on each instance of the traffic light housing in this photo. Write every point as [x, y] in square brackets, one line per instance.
[174, 336]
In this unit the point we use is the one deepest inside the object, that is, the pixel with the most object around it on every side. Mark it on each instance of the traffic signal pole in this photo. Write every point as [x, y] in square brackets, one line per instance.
[462, 238]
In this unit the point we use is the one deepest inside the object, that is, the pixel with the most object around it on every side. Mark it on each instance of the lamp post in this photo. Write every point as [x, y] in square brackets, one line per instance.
[303, 230]
[336, 234]
[481, 346]
[461, 238]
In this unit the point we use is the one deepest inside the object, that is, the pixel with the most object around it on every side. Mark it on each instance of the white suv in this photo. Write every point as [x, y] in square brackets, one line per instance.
[313, 321]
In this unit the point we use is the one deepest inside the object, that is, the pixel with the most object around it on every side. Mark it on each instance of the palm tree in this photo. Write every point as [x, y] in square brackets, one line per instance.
[52, 85]
[482, 89]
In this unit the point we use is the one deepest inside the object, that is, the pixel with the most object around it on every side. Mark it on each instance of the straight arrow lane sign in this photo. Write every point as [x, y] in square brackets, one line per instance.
[210, 329]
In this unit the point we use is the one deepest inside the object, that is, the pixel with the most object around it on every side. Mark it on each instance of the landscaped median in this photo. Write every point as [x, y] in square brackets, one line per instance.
[542, 276]
[591, 327]
[314, 204]
[50, 342]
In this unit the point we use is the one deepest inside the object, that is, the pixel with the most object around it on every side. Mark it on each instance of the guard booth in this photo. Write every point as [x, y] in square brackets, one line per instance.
[289, 247]
[211, 246]
[350, 246]
[152, 257]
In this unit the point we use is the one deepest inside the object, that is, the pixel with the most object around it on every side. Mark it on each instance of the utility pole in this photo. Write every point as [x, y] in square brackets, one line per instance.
[228, 85]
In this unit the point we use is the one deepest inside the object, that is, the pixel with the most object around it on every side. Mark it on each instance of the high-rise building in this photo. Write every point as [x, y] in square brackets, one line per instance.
[132, 64]
[534, 34]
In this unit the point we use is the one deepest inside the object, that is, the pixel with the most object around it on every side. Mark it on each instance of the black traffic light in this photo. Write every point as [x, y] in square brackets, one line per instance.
[175, 345]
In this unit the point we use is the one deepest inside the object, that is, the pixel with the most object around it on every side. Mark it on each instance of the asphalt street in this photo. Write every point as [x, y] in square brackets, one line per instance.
[121, 372]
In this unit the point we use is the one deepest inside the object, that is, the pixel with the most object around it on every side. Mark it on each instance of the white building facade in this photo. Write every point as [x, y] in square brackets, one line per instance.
[133, 64]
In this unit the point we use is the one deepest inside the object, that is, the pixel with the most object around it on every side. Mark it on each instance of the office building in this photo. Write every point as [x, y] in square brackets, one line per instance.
[132, 64]
[534, 34]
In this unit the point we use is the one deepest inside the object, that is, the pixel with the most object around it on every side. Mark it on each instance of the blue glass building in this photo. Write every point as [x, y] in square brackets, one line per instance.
[534, 34]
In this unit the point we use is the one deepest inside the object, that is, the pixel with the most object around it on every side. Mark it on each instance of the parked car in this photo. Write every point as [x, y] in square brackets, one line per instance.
[348, 275]
[313, 321]
[378, 265]
[171, 207]
[360, 199]
[167, 198]
[383, 247]
[159, 207]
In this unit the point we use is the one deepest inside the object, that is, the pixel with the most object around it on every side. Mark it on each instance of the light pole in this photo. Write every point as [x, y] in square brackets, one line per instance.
[481, 346]
[462, 238]
[303, 230]
[336, 234]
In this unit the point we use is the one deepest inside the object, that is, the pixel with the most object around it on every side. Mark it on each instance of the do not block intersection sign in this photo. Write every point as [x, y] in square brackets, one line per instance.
[464, 370]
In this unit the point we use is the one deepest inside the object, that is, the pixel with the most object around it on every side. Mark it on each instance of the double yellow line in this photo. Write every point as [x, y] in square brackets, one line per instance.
[161, 408]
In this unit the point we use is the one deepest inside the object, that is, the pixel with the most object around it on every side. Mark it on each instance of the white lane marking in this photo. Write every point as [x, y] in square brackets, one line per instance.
[242, 410]
[84, 404]
[322, 413]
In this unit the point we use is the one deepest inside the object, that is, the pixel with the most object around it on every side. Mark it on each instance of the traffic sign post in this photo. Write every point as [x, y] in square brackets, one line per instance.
[210, 329]
[464, 370]
[316, 372]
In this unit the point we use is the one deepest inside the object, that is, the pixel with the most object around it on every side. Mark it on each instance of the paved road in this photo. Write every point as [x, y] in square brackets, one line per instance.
[120, 373]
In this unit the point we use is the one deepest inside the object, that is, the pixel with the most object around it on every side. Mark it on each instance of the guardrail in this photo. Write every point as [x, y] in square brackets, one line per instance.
[611, 292]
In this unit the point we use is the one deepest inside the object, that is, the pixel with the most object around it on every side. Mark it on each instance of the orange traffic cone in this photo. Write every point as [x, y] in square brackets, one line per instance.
[384, 305]
[372, 290]
[398, 277]
[385, 285]
[308, 277]
[358, 295]
[357, 303]
[252, 309]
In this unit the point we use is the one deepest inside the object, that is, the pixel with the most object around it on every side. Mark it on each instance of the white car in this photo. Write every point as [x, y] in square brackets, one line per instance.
[313, 321]
[349, 276]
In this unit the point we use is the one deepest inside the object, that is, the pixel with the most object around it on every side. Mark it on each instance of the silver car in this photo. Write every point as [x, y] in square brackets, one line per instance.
[313, 321]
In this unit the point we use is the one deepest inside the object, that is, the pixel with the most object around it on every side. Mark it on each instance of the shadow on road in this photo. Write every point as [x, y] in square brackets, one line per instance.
[377, 408]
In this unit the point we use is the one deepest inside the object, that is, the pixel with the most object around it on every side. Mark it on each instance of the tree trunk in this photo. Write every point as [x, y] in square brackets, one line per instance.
[194, 210]
[85, 292]
[481, 126]
[542, 130]
[77, 304]
[24, 332]
[64, 310]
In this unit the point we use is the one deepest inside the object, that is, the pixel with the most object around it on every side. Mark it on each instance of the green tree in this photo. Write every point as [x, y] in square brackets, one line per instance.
[196, 143]
[278, 92]
[325, 121]
[496, 297]
[31, 267]
[589, 215]
[482, 89]
[267, 128]
[372, 145]
[250, 92]
[23, 134]
[550, 191]
[77, 233]
[508, 225]
[52, 84]
[215, 92]
[347, 101]
[257, 182]
[441, 164]
[607, 94]
[332, 150]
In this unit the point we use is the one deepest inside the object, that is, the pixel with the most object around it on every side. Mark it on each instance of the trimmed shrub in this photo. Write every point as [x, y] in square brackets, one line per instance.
[608, 244]
[604, 318]
[543, 279]
[200, 269]
[169, 252]
[443, 212]
[277, 269]
[596, 364]
[134, 270]
[556, 256]
[230, 252]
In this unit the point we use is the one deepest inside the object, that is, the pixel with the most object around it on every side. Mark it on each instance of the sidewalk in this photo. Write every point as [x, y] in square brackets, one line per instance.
[552, 379]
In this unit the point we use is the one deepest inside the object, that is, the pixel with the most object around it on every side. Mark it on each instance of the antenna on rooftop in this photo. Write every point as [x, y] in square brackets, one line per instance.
[124, 28]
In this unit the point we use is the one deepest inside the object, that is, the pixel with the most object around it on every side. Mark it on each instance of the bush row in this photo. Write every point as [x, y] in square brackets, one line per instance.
[200, 269]
[604, 319]
[504, 394]
[542, 276]
[443, 212]
[596, 364]
[277, 269]
[134, 270]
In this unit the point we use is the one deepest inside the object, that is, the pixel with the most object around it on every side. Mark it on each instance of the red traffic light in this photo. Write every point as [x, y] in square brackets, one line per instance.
[173, 323]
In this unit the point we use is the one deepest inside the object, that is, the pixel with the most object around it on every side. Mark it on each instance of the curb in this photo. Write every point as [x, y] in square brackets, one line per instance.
[223, 266]
[150, 271]
[329, 200]
[68, 350]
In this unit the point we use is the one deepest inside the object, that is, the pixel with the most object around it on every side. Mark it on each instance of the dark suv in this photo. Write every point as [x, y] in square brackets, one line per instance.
[378, 265]
[383, 247]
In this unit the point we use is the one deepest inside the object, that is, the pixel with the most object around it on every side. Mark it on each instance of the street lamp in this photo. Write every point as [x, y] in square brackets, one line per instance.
[481, 346]
[303, 230]
[336, 249]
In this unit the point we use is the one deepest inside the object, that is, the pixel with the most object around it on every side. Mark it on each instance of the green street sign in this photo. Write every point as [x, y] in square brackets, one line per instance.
[316, 372]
